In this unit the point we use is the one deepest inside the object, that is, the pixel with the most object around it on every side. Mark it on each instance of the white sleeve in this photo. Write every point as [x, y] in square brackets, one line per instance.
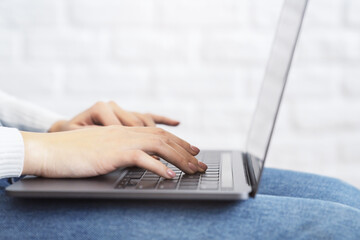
[11, 152]
[25, 116]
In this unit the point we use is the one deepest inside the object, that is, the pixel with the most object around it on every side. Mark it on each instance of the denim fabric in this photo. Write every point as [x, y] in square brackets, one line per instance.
[290, 205]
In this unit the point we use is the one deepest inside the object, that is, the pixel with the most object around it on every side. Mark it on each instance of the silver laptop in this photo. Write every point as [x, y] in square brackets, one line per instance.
[231, 175]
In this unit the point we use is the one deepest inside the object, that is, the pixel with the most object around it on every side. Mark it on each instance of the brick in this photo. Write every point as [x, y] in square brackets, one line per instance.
[318, 13]
[8, 45]
[352, 13]
[22, 13]
[216, 141]
[68, 105]
[314, 81]
[111, 13]
[67, 44]
[34, 79]
[107, 80]
[349, 150]
[213, 83]
[324, 13]
[328, 45]
[264, 14]
[319, 116]
[151, 47]
[221, 117]
[201, 13]
[350, 82]
[234, 47]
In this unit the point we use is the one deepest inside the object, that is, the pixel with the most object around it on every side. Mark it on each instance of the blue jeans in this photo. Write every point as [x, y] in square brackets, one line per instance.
[290, 205]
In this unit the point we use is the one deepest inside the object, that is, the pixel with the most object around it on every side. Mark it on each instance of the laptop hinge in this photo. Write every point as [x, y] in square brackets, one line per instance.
[249, 171]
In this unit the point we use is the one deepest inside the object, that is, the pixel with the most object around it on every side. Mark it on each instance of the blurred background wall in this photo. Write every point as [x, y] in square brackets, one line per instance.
[199, 61]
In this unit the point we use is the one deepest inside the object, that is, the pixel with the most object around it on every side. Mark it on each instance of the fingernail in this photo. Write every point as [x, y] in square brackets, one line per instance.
[203, 166]
[192, 167]
[170, 173]
[195, 148]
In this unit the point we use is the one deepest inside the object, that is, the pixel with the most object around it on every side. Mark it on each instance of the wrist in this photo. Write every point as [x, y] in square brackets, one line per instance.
[34, 153]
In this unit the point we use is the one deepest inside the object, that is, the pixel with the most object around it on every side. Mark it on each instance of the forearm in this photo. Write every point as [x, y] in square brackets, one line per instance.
[25, 116]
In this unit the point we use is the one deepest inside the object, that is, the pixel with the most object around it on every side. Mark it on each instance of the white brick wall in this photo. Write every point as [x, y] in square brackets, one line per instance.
[200, 61]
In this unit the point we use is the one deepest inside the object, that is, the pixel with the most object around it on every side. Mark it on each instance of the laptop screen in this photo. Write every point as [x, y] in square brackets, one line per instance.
[273, 86]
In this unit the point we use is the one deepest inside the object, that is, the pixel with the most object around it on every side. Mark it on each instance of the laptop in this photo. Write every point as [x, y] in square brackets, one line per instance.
[231, 175]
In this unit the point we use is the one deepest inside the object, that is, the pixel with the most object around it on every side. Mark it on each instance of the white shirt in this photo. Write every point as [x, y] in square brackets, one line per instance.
[18, 115]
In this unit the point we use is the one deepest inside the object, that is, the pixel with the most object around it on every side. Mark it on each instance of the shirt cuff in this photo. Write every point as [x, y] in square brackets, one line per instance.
[12, 152]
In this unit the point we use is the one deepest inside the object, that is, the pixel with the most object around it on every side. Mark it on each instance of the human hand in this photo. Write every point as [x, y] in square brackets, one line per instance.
[95, 151]
[109, 113]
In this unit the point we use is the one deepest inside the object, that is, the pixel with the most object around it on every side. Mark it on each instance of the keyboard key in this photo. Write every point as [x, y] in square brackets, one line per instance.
[210, 176]
[168, 180]
[210, 180]
[150, 178]
[151, 175]
[123, 182]
[132, 183]
[190, 176]
[210, 173]
[188, 187]
[213, 167]
[134, 175]
[135, 169]
[203, 183]
[167, 184]
[209, 187]
[189, 183]
[176, 177]
[189, 179]
[147, 185]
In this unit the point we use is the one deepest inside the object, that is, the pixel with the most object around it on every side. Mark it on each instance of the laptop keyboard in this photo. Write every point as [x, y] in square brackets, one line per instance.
[138, 178]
